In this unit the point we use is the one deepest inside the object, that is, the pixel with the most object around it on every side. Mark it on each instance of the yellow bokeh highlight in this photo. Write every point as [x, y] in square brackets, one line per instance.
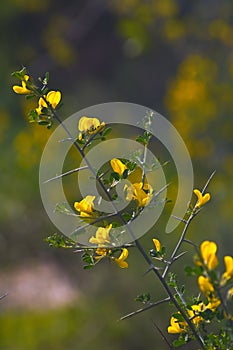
[29, 144]
[174, 29]
[56, 40]
[191, 103]
[220, 29]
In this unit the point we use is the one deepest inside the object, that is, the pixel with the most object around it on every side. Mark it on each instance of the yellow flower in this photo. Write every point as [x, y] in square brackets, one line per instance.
[230, 293]
[157, 244]
[176, 326]
[90, 125]
[53, 98]
[102, 253]
[213, 303]
[201, 200]
[118, 166]
[228, 274]
[101, 236]
[142, 194]
[194, 314]
[121, 260]
[205, 286]
[22, 90]
[208, 252]
[41, 104]
[85, 206]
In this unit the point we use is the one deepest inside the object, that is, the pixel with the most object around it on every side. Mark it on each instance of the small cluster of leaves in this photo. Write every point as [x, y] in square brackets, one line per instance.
[222, 340]
[144, 298]
[58, 240]
[100, 135]
[159, 255]
[145, 138]
[88, 259]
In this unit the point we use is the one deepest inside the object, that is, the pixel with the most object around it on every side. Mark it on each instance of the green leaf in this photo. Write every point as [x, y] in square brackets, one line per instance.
[178, 342]
[131, 165]
[50, 124]
[29, 97]
[86, 257]
[193, 271]
[46, 79]
[172, 280]
[127, 216]
[178, 316]
[88, 267]
[114, 176]
[125, 174]
[20, 74]
[33, 116]
[143, 298]
[60, 241]
[43, 122]
[154, 253]
[141, 140]
[106, 131]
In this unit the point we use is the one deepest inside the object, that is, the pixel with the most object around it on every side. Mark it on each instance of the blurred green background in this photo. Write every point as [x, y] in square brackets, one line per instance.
[172, 56]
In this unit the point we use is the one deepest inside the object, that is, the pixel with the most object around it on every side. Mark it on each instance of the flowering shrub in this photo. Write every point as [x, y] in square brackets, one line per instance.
[194, 316]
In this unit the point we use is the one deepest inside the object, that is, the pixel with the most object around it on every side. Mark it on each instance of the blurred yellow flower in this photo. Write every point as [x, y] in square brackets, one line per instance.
[205, 286]
[121, 260]
[22, 90]
[201, 200]
[213, 303]
[90, 125]
[53, 98]
[142, 194]
[208, 252]
[230, 293]
[101, 236]
[228, 274]
[85, 206]
[157, 244]
[176, 326]
[118, 166]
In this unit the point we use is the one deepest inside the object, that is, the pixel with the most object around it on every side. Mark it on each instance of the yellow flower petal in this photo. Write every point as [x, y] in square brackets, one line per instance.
[121, 260]
[213, 304]
[228, 274]
[53, 97]
[101, 236]
[194, 313]
[85, 206]
[102, 253]
[142, 195]
[117, 166]
[176, 326]
[201, 200]
[92, 125]
[230, 293]
[22, 90]
[205, 286]
[157, 244]
[208, 252]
